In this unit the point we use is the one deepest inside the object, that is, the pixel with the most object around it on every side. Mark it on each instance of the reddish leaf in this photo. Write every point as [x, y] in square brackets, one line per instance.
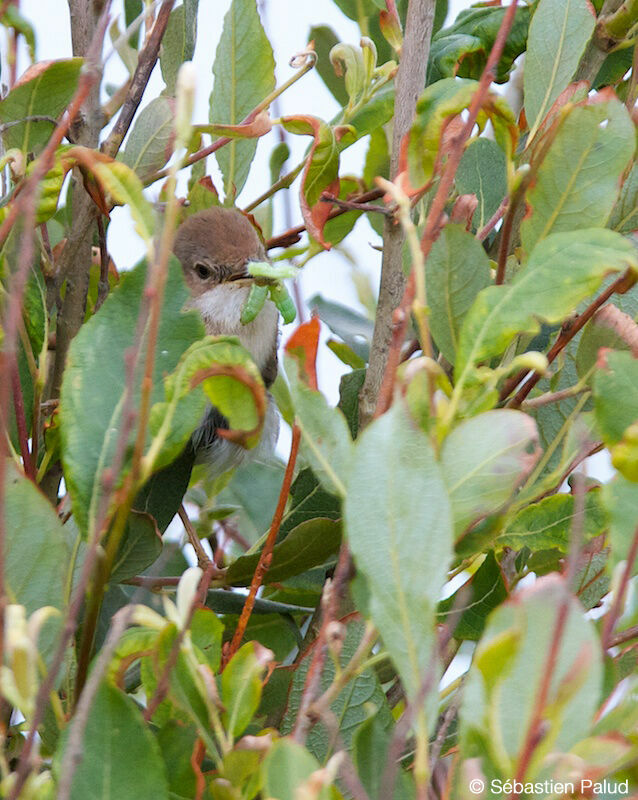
[303, 345]
[321, 173]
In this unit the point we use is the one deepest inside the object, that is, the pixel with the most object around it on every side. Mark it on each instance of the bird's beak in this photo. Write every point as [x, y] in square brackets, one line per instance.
[243, 275]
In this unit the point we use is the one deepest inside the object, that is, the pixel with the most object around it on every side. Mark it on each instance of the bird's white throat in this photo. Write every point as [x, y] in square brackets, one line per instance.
[220, 308]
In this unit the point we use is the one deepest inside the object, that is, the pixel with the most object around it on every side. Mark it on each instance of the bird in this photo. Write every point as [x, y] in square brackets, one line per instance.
[214, 248]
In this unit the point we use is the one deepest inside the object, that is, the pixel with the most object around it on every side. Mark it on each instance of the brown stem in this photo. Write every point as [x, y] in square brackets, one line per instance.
[492, 221]
[435, 216]
[624, 636]
[266, 554]
[409, 83]
[598, 48]
[145, 64]
[567, 333]
[353, 205]
[202, 558]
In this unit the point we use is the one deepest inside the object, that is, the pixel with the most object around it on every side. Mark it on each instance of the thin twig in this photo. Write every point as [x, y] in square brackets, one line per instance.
[493, 220]
[202, 557]
[145, 64]
[567, 333]
[353, 205]
[266, 554]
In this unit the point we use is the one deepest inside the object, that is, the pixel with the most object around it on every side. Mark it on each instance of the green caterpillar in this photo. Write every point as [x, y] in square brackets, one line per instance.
[278, 292]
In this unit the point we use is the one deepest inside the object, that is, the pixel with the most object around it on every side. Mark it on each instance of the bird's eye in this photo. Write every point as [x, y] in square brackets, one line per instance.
[203, 271]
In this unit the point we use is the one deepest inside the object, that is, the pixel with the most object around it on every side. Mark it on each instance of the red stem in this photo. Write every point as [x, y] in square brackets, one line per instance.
[21, 422]
[266, 554]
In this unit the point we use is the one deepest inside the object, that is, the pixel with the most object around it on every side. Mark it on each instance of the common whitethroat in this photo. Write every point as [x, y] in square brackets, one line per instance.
[215, 247]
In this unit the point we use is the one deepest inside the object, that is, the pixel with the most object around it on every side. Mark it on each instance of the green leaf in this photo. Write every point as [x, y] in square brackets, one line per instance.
[484, 459]
[244, 76]
[475, 600]
[326, 438]
[285, 768]
[624, 216]
[139, 548]
[399, 526]
[308, 500]
[370, 747]
[162, 494]
[176, 742]
[355, 329]
[206, 632]
[37, 547]
[620, 498]
[241, 686]
[563, 270]
[125, 188]
[462, 49]
[116, 742]
[558, 35]
[253, 491]
[308, 545]
[150, 143]
[483, 173]
[439, 102]
[325, 39]
[616, 395]
[95, 379]
[547, 525]
[456, 271]
[358, 698]
[509, 665]
[44, 90]
[577, 182]
[178, 42]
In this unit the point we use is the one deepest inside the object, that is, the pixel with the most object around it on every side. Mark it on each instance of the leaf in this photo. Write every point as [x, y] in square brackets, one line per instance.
[547, 525]
[325, 39]
[563, 270]
[483, 173]
[326, 438]
[624, 216]
[509, 665]
[438, 104]
[37, 547]
[350, 386]
[320, 174]
[95, 379]
[308, 545]
[253, 491]
[178, 42]
[150, 143]
[44, 90]
[241, 686]
[484, 459]
[615, 391]
[475, 600]
[456, 271]
[139, 548]
[114, 745]
[162, 494]
[355, 329]
[558, 34]
[244, 76]
[399, 526]
[577, 182]
[357, 699]
[308, 500]
[620, 498]
[370, 748]
[206, 631]
[462, 49]
[610, 328]
[122, 184]
[285, 768]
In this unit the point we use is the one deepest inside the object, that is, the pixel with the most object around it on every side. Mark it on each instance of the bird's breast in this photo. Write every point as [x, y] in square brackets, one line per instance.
[220, 308]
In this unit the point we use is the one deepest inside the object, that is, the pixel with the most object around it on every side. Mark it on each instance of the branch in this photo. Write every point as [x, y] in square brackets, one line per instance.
[614, 612]
[435, 216]
[567, 333]
[599, 45]
[266, 554]
[145, 64]
[409, 83]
